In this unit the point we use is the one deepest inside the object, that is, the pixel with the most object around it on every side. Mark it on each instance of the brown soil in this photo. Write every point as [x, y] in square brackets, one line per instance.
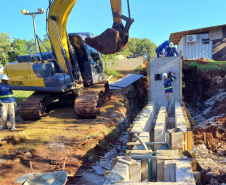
[214, 139]
[48, 141]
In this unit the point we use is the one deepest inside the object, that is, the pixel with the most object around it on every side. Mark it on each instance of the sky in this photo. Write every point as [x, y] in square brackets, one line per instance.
[154, 19]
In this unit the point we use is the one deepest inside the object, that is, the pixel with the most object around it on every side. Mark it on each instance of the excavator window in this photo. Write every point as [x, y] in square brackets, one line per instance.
[94, 54]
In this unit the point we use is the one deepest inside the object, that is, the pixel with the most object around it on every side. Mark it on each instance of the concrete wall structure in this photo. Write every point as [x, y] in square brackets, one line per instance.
[157, 90]
[124, 64]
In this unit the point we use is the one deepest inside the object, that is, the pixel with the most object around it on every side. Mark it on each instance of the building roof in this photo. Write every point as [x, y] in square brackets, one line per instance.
[175, 37]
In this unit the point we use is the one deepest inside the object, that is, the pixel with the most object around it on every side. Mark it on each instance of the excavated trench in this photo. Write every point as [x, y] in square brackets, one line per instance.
[205, 97]
[100, 158]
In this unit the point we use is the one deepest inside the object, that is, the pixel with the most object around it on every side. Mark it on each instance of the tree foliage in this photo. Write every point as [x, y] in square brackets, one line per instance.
[5, 48]
[140, 47]
[22, 47]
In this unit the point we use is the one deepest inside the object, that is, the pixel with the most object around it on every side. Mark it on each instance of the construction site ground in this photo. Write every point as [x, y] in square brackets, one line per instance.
[48, 141]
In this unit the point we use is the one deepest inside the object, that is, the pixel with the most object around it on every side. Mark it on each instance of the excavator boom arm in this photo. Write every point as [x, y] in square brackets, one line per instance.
[112, 40]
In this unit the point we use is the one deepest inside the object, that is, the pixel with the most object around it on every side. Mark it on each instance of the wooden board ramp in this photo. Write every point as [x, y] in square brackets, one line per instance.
[165, 164]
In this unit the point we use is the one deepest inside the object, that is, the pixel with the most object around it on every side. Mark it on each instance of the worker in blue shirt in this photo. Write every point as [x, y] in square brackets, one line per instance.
[168, 79]
[7, 102]
[159, 50]
[171, 50]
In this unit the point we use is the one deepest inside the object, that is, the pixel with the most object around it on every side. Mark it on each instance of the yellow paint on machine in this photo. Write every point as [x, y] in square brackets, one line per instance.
[116, 6]
[22, 74]
[60, 9]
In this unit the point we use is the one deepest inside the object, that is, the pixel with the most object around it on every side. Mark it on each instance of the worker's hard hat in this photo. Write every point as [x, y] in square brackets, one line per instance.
[4, 77]
[164, 75]
[167, 42]
[171, 45]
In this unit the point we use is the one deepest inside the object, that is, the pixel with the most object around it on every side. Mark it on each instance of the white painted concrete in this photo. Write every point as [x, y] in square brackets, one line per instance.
[179, 117]
[181, 169]
[160, 127]
[157, 90]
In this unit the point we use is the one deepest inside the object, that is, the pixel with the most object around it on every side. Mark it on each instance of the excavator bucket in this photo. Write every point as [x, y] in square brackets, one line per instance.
[110, 41]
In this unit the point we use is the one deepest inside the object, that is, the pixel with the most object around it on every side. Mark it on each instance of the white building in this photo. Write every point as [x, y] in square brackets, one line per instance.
[209, 42]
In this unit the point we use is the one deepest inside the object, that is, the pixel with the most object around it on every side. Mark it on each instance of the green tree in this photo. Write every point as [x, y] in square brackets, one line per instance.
[20, 49]
[5, 48]
[140, 47]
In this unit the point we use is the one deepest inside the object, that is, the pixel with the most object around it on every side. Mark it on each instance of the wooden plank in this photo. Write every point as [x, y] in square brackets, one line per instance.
[185, 140]
[147, 143]
[106, 173]
[181, 63]
[190, 117]
[189, 140]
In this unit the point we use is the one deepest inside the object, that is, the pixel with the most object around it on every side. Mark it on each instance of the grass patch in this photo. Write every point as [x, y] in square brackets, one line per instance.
[20, 95]
[137, 70]
[208, 66]
[109, 72]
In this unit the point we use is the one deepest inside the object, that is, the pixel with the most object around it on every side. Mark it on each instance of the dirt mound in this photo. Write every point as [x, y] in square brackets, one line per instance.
[214, 139]
[16, 139]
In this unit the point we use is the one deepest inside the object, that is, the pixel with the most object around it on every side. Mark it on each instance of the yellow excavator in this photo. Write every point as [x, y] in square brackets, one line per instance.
[73, 69]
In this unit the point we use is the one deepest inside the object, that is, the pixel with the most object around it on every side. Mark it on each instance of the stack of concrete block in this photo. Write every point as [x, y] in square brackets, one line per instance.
[144, 121]
[179, 117]
[125, 170]
[175, 138]
[160, 127]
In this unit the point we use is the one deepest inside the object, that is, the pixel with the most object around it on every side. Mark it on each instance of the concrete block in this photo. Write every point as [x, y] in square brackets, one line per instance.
[135, 172]
[176, 140]
[178, 171]
[145, 136]
[160, 127]
[169, 172]
[180, 121]
[122, 170]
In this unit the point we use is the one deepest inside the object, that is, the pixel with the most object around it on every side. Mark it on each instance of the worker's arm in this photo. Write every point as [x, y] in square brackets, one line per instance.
[175, 50]
[11, 93]
[173, 77]
[158, 50]
[0, 98]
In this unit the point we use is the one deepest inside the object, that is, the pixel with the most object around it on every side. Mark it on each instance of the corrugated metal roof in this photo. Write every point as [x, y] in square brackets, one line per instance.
[175, 37]
[125, 81]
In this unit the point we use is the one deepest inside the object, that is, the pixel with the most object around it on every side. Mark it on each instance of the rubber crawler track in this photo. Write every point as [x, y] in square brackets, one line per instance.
[87, 104]
[31, 108]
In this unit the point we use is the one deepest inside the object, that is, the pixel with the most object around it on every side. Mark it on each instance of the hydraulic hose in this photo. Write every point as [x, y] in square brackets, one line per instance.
[145, 146]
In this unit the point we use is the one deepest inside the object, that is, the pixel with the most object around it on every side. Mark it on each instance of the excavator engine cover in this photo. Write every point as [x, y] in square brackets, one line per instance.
[110, 41]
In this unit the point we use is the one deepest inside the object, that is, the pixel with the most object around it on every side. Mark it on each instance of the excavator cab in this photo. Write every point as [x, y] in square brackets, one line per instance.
[88, 59]
[113, 39]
